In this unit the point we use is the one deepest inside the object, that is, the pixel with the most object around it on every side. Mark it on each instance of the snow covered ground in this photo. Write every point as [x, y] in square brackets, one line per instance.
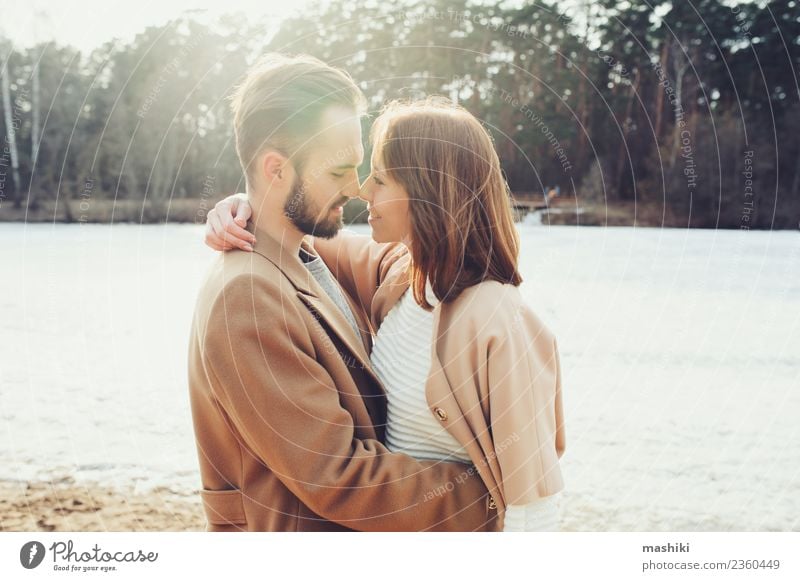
[680, 351]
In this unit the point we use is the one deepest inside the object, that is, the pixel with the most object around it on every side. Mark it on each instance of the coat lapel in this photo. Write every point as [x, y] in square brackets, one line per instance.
[314, 296]
[390, 290]
[441, 391]
[333, 317]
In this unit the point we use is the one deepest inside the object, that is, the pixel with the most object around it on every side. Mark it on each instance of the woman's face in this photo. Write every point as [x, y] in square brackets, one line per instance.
[388, 205]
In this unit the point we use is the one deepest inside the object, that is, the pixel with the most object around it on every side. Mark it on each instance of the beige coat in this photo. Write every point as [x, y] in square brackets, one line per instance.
[495, 379]
[289, 417]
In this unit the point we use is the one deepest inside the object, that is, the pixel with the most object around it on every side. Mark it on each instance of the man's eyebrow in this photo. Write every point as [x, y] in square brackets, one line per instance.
[346, 166]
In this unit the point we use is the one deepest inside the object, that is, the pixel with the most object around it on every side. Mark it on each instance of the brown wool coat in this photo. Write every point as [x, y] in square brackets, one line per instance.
[289, 417]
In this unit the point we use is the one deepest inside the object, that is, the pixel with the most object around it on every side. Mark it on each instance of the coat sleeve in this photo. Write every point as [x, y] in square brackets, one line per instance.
[359, 263]
[286, 410]
[526, 413]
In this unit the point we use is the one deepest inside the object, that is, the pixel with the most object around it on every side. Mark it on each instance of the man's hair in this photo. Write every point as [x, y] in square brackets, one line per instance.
[280, 102]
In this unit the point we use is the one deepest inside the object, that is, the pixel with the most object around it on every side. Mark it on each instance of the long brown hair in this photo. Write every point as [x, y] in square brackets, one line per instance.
[462, 225]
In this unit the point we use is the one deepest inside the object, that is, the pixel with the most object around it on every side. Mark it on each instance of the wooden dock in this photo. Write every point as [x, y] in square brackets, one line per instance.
[529, 203]
[532, 201]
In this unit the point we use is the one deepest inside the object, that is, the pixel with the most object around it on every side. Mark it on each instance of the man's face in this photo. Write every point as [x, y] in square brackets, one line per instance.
[329, 177]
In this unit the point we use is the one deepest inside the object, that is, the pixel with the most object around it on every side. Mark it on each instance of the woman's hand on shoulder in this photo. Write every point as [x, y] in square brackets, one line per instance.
[225, 224]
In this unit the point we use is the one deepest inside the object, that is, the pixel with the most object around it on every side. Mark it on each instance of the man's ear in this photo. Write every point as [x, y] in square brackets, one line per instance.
[274, 167]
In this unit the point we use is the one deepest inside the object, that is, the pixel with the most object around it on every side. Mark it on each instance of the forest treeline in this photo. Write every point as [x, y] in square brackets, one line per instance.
[693, 107]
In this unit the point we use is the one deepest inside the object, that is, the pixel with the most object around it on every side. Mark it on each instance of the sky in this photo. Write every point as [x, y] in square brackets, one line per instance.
[86, 24]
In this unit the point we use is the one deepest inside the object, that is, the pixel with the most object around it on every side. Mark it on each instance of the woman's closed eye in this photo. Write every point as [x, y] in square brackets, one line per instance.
[377, 180]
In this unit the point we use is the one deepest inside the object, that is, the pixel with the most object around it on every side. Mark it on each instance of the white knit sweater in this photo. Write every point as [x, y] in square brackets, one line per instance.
[401, 357]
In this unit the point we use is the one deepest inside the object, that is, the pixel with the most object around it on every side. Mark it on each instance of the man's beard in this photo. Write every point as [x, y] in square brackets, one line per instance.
[303, 213]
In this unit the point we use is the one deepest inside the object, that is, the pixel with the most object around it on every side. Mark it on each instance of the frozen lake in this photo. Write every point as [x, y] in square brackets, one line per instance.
[680, 351]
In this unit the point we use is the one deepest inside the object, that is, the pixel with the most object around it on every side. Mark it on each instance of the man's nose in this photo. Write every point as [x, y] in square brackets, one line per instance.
[364, 192]
[352, 189]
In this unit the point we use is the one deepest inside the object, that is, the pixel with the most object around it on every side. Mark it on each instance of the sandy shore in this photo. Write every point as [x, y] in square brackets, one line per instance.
[64, 505]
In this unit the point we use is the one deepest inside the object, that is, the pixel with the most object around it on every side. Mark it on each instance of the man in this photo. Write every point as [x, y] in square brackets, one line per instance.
[287, 413]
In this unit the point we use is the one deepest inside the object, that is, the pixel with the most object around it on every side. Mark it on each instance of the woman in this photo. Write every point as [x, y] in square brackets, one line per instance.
[471, 374]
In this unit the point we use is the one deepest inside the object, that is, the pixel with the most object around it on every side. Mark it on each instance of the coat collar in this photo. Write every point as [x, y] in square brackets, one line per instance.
[313, 295]
[287, 262]
[390, 290]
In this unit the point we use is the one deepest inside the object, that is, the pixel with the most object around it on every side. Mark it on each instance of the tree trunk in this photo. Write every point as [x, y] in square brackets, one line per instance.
[35, 131]
[621, 157]
[680, 72]
[660, 94]
[796, 181]
[11, 134]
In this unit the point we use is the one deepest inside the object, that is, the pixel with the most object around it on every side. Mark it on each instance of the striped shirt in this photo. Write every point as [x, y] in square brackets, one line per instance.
[401, 358]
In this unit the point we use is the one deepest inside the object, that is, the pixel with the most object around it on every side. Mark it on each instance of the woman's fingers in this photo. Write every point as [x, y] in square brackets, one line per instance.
[243, 212]
[225, 225]
[213, 226]
[230, 231]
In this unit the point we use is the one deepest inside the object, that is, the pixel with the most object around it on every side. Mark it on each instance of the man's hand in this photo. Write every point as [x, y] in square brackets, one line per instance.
[225, 224]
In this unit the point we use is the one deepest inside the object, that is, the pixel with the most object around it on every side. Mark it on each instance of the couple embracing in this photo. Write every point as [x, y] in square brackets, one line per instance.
[397, 382]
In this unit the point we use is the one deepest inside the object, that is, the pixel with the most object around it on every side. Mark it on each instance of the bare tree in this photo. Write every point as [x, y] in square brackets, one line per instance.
[11, 130]
[680, 67]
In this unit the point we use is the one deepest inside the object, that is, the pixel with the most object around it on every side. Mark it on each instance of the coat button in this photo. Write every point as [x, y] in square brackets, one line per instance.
[441, 414]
